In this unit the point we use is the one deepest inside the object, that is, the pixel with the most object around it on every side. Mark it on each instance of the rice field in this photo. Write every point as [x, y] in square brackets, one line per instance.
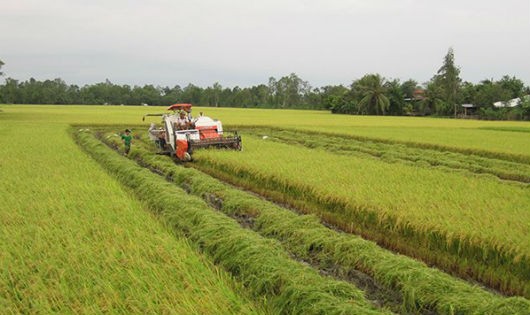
[406, 207]
[259, 263]
[494, 137]
[427, 198]
[73, 240]
[399, 279]
[505, 169]
[100, 232]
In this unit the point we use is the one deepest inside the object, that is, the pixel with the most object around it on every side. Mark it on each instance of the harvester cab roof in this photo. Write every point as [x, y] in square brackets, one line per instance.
[183, 135]
[180, 106]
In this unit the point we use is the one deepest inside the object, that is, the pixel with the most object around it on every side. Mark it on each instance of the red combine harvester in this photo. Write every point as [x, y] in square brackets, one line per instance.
[182, 135]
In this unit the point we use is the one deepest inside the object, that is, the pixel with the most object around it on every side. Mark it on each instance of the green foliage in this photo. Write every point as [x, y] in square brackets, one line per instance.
[332, 96]
[366, 96]
[490, 113]
[397, 93]
[287, 92]
[514, 86]
[433, 101]
[488, 92]
[448, 78]
[525, 107]
[9, 92]
[372, 95]
[408, 87]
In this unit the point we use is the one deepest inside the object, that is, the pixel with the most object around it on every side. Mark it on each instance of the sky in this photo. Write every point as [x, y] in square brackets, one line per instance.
[244, 42]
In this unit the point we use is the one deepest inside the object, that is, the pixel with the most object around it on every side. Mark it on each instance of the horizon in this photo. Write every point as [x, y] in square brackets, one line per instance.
[419, 84]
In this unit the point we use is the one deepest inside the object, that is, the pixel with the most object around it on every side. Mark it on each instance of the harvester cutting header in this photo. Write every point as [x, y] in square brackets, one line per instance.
[181, 133]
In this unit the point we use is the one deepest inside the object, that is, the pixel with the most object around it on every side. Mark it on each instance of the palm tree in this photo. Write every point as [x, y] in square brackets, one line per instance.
[433, 101]
[372, 92]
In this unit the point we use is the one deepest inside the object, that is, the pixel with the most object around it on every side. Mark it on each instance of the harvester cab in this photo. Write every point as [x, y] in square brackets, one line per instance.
[184, 134]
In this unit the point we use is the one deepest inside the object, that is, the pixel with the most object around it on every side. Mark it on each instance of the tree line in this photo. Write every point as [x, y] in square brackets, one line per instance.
[370, 95]
[442, 95]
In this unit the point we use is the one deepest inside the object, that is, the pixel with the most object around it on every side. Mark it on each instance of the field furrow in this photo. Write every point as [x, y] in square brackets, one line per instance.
[74, 241]
[395, 152]
[419, 288]
[261, 264]
[438, 216]
[319, 214]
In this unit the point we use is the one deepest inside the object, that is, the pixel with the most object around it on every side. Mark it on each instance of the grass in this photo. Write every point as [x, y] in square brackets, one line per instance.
[73, 240]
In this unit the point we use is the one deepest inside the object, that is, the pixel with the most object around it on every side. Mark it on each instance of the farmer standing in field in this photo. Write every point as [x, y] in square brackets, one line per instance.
[127, 139]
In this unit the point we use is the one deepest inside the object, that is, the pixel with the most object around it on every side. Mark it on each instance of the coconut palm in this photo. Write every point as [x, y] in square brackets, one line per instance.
[372, 92]
[433, 101]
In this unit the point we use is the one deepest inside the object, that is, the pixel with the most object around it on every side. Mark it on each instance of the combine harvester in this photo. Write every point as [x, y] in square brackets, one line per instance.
[201, 132]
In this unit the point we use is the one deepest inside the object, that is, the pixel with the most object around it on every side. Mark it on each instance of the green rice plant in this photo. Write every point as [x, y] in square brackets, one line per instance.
[420, 287]
[398, 153]
[464, 136]
[442, 134]
[74, 241]
[480, 142]
[463, 224]
[509, 128]
[260, 264]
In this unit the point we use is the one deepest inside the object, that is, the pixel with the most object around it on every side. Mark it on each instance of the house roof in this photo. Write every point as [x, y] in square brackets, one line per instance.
[510, 103]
